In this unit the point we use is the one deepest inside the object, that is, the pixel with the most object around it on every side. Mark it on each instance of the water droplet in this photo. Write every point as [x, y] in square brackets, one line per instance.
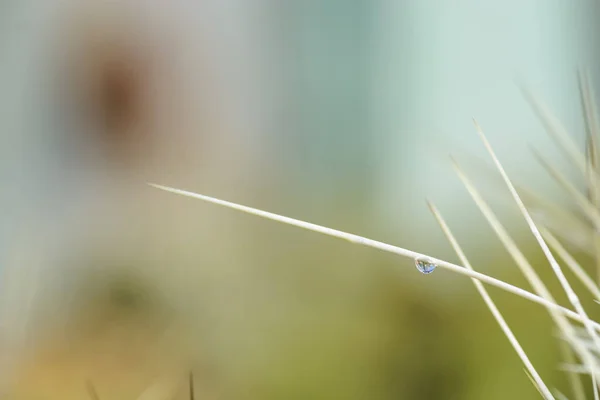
[425, 265]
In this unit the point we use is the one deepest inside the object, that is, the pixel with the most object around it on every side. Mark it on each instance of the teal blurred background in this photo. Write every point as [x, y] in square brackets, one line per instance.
[354, 107]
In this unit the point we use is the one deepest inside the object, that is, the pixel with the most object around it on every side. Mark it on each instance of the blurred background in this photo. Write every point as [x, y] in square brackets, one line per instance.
[341, 113]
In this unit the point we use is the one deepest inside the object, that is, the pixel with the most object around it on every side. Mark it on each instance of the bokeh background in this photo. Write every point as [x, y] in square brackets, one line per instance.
[350, 110]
